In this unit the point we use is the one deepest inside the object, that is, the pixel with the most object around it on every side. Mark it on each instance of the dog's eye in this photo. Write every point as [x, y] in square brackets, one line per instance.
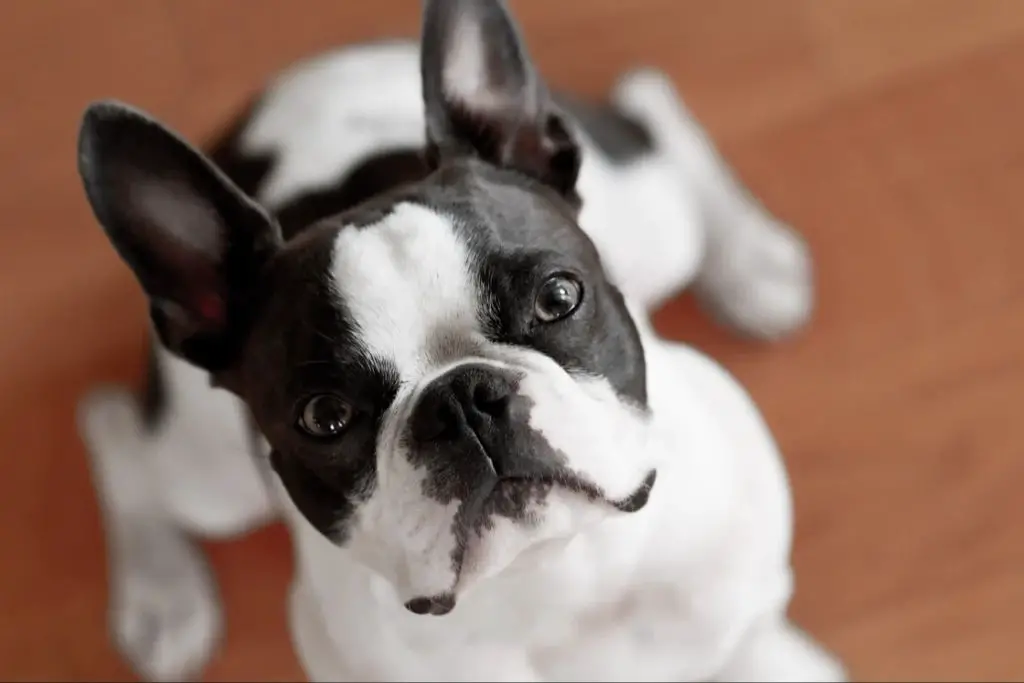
[557, 298]
[325, 416]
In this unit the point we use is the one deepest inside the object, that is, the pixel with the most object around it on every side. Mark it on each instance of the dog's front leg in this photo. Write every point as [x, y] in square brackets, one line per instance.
[777, 650]
[756, 274]
[165, 616]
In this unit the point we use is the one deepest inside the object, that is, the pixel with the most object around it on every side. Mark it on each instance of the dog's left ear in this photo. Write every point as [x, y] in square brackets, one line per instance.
[484, 97]
[196, 244]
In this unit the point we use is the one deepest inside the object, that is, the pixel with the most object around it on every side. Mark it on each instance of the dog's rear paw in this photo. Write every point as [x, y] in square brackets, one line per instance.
[165, 613]
[761, 281]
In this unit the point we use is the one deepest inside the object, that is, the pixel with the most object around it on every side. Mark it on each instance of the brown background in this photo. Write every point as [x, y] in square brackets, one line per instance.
[890, 131]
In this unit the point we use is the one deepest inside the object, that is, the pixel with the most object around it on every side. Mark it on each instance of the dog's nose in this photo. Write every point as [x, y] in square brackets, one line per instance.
[468, 400]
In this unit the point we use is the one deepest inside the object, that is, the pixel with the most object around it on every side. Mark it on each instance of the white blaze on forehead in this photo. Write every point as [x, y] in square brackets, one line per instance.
[403, 281]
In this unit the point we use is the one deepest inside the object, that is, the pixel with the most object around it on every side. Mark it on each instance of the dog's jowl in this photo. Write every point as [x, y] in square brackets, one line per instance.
[403, 306]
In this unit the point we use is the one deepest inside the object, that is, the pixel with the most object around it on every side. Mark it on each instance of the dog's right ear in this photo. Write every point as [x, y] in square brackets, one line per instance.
[483, 95]
[194, 241]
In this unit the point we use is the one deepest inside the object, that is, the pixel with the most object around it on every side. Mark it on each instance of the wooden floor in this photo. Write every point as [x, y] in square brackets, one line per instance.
[890, 131]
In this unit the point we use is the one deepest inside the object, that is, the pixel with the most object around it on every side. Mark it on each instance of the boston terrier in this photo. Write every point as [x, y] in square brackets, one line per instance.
[403, 305]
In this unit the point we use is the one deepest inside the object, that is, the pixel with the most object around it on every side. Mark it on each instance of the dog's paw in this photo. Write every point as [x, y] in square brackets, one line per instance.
[760, 280]
[165, 613]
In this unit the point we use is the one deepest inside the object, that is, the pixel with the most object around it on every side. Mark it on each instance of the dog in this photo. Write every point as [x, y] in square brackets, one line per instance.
[403, 305]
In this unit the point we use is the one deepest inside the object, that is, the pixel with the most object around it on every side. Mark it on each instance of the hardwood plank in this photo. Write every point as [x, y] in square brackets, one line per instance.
[57, 56]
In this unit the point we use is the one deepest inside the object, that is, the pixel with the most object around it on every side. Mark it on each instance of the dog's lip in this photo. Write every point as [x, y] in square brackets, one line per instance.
[487, 500]
[443, 603]
[639, 498]
[633, 502]
[437, 606]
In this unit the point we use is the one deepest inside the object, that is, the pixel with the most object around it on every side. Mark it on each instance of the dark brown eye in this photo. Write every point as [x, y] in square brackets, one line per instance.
[558, 298]
[325, 416]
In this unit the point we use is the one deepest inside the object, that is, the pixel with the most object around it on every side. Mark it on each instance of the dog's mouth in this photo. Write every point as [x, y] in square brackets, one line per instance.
[517, 505]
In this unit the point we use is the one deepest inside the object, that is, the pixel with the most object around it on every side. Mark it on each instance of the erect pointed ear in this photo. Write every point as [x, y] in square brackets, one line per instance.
[193, 240]
[484, 97]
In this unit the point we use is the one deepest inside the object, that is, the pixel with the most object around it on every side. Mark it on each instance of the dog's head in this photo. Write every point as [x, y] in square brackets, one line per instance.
[445, 374]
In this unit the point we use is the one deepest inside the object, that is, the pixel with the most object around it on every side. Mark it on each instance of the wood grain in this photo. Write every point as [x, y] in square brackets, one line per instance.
[889, 131]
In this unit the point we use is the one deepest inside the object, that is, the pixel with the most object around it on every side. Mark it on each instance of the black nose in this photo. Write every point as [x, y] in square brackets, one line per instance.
[465, 401]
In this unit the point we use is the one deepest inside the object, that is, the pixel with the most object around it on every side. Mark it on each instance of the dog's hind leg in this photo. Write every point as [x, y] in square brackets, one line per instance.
[164, 616]
[180, 458]
[756, 273]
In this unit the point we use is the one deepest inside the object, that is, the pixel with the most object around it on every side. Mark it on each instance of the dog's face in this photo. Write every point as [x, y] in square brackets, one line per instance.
[445, 374]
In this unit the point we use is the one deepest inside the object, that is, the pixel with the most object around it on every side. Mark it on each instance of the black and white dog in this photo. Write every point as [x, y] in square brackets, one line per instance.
[420, 282]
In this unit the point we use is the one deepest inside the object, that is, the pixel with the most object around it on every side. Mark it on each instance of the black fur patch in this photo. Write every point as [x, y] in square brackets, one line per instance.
[307, 345]
[153, 399]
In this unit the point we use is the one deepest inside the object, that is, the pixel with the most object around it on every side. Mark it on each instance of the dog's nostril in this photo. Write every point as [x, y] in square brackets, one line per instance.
[490, 399]
[438, 417]
[461, 401]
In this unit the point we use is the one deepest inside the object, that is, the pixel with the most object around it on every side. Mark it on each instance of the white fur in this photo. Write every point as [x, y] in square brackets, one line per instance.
[693, 587]
[164, 614]
[401, 281]
[350, 103]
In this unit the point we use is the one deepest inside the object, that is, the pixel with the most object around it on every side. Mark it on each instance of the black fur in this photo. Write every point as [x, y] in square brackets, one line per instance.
[193, 240]
[153, 399]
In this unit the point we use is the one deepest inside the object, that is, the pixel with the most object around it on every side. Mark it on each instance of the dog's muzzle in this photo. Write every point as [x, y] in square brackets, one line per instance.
[469, 432]
[464, 403]
[473, 424]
